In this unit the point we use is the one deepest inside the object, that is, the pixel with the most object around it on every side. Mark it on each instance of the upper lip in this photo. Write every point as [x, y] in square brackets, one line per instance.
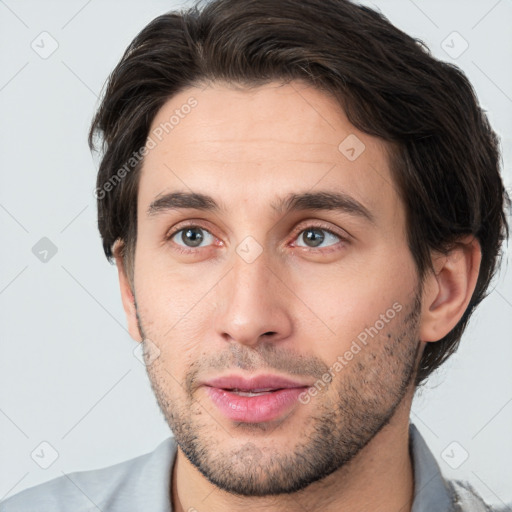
[256, 383]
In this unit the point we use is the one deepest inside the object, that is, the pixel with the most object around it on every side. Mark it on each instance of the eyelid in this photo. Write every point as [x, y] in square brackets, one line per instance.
[192, 227]
[297, 230]
[184, 249]
[180, 226]
[340, 233]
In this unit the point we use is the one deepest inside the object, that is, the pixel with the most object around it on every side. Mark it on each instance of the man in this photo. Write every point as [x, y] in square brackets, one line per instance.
[304, 208]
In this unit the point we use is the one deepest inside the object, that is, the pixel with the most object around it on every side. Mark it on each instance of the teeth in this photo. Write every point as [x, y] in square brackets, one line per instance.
[251, 393]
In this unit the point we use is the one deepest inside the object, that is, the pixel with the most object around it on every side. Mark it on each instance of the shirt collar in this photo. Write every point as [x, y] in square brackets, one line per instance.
[431, 491]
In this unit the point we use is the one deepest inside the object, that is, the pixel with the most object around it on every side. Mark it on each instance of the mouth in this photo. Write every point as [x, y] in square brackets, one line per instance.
[254, 400]
[255, 392]
[257, 384]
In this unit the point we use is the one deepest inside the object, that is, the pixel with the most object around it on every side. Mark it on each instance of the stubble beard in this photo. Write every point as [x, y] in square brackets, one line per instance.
[365, 396]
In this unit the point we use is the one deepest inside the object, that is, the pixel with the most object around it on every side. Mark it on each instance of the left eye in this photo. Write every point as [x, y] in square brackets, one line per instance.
[192, 237]
[315, 237]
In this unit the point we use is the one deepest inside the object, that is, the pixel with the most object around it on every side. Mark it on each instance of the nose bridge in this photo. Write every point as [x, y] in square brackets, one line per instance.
[250, 302]
[250, 280]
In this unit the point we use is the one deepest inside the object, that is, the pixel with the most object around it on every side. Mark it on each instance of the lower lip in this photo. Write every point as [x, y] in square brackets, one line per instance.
[254, 409]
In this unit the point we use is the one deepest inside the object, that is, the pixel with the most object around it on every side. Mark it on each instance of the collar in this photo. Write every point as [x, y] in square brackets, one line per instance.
[431, 491]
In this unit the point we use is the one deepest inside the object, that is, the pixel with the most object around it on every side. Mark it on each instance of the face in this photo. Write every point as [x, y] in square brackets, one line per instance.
[273, 279]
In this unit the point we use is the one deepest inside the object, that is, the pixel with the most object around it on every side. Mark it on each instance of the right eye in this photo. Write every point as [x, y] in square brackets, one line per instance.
[191, 237]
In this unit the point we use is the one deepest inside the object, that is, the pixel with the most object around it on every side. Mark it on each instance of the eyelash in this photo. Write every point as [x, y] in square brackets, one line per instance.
[342, 239]
[321, 227]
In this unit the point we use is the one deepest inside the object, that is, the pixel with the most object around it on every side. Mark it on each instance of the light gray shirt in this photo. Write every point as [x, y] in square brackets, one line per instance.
[142, 485]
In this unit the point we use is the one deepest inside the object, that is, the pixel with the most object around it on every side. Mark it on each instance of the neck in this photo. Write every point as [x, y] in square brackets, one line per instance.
[380, 478]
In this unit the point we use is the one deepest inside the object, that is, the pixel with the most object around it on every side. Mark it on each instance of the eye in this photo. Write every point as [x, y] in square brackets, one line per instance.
[315, 237]
[192, 236]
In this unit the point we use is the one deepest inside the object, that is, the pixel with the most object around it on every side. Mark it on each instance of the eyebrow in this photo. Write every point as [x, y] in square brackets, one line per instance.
[337, 201]
[179, 200]
[293, 202]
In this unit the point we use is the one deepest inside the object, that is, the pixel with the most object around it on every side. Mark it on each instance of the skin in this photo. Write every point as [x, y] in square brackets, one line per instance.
[208, 312]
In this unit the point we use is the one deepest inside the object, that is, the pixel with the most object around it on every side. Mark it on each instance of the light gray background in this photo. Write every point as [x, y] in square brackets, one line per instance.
[68, 375]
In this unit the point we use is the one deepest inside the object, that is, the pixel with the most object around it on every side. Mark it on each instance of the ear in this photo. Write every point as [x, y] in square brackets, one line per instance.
[127, 295]
[449, 289]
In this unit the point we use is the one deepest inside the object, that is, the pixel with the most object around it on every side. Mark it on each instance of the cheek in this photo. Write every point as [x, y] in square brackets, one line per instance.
[340, 302]
[174, 313]
[169, 295]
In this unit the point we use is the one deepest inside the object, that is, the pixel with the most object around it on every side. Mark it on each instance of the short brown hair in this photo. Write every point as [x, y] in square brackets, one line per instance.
[446, 165]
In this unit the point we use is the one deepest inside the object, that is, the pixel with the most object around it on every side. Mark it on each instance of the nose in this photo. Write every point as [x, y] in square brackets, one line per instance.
[253, 304]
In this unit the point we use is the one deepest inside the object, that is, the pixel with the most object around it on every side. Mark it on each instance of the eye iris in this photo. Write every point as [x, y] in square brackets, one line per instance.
[313, 237]
[192, 237]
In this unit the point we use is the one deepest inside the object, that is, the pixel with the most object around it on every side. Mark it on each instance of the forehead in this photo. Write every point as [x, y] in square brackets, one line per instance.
[263, 143]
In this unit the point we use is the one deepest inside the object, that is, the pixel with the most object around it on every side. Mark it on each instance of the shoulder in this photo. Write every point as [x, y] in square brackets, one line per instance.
[110, 489]
[433, 491]
[466, 499]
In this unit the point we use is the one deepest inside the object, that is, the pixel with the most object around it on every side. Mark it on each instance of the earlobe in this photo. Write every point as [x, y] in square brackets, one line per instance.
[448, 291]
[127, 294]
